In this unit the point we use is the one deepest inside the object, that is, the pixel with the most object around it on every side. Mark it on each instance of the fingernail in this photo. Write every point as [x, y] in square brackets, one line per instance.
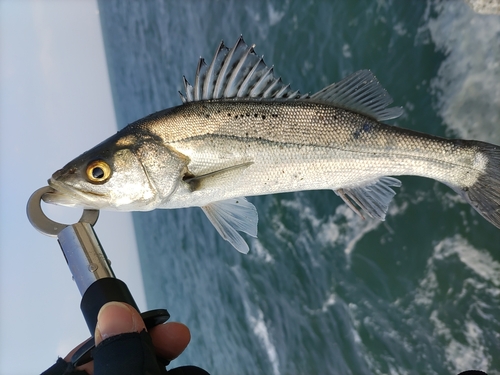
[114, 318]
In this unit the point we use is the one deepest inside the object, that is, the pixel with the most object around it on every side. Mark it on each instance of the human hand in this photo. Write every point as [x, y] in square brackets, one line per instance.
[116, 318]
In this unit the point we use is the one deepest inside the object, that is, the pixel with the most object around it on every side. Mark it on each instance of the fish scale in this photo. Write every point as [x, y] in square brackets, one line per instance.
[340, 135]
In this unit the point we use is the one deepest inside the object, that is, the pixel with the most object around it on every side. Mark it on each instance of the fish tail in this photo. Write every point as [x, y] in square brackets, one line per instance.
[484, 193]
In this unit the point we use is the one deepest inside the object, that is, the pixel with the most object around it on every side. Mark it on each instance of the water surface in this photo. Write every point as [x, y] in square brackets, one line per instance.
[321, 290]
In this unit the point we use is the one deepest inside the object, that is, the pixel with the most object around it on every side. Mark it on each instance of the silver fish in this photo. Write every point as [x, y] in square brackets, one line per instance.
[241, 132]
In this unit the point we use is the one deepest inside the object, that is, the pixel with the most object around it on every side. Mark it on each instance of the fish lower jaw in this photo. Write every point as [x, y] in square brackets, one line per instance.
[62, 195]
[59, 199]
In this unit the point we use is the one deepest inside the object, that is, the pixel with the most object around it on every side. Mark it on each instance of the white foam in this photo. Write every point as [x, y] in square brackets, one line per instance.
[480, 261]
[468, 348]
[460, 355]
[467, 86]
[260, 330]
[275, 16]
[330, 300]
[256, 321]
[260, 252]
[341, 229]
[346, 51]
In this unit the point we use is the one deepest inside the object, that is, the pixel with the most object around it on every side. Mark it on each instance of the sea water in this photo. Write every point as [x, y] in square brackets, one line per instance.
[321, 290]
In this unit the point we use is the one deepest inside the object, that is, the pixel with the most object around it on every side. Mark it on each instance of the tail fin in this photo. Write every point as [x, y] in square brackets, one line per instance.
[484, 194]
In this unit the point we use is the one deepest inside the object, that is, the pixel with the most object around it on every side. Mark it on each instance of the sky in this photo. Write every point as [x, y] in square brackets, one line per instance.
[55, 103]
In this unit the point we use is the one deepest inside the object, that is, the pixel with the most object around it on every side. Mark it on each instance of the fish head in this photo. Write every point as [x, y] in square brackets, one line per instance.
[109, 176]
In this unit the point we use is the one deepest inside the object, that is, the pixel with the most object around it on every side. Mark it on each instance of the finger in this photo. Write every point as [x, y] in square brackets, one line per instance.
[115, 318]
[123, 346]
[170, 339]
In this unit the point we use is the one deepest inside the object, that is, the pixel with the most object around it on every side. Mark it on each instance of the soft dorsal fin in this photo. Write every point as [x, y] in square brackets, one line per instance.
[236, 73]
[360, 92]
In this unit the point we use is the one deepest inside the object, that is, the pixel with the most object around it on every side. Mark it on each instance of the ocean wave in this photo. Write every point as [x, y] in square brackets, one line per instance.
[467, 86]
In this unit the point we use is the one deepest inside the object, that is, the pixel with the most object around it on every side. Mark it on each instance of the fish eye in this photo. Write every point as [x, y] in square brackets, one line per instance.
[98, 171]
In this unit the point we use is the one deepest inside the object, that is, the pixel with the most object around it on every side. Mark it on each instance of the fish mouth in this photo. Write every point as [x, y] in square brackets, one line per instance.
[59, 198]
[64, 195]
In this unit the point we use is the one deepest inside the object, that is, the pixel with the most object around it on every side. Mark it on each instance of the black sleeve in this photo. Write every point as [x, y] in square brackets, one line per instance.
[125, 354]
[61, 367]
[134, 354]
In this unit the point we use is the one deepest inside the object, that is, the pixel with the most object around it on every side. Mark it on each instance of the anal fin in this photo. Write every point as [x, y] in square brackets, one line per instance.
[232, 216]
[373, 197]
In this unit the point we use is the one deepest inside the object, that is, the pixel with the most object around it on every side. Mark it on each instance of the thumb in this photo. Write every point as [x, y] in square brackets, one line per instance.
[122, 344]
[115, 318]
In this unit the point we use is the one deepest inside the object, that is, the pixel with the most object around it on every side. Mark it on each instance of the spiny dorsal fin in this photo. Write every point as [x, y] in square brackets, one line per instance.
[239, 73]
[236, 73]
[360, 92]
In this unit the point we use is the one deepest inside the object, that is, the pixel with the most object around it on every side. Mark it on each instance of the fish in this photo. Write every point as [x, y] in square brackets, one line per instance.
[241, 131]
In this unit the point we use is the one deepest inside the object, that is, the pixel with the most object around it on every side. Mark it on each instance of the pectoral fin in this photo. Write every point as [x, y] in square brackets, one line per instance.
[373, 197]
[231, 216]
[216, 178]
